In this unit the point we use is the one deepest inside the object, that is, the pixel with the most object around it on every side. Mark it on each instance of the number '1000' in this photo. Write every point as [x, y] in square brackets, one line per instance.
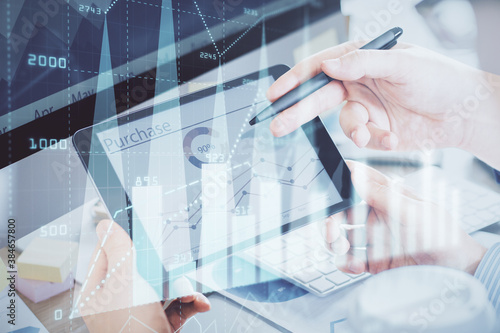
[51, 143]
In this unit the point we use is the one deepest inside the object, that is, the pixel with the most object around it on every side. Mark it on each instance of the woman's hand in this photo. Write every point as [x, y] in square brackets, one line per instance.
[405, 98]
[116, 298]
[400, 229]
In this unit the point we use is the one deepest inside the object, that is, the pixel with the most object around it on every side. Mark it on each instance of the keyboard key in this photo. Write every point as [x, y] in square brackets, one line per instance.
[355, 276]
[275, 244]
[320, 255]
[495, 210]
[298, 249]
[485, 202]
[298, 264]
[338, 278]
[326, 267]
[277, 257]
[260, 251]
[485, 215]
[293, 239]
[467, 210]
[322, 285]
[468, 196]
[471, 220]
[307, 275]
[288, 268]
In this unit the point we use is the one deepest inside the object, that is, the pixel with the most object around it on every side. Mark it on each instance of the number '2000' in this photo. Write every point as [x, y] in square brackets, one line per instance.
[44, 61]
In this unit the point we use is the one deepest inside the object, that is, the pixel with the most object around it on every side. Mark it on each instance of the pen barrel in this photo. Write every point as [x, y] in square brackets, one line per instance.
[302, 91]
[384, 41]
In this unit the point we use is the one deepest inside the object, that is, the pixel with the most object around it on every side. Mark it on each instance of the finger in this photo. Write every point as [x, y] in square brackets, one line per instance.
[180, 311]
[342, 224]
[356, 225]
[306, 69]
[340, 246]
[372, 64]
[353, 120]
[98, 267]
[350, 263]
[113, 244]
[332, 227]
[324, 99]
[115, 241]
[354, 261]
[199, 302]
[382, 179]
[381, 139]
[378, 245]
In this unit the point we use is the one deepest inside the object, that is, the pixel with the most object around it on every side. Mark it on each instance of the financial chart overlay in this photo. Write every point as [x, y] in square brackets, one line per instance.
[201, 179]
[60, 52]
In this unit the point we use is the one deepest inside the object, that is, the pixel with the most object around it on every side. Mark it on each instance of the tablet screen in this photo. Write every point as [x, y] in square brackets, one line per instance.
[201, 180]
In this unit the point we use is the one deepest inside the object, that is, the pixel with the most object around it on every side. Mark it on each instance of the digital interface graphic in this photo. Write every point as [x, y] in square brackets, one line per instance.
[198, 178]
[214, 171]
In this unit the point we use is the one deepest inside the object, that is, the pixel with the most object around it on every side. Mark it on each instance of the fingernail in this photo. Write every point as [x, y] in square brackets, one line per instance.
[390, 142]
[340, 246]
[353, 135]
[203, 299]
[200, 297]
[354, 266]
[386, 142]
[331, 64]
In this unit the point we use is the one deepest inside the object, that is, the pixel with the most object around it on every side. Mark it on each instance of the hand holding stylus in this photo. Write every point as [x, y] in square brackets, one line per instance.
[405, 98]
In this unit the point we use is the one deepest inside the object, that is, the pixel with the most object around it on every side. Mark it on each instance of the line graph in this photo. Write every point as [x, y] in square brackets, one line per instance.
[208, 30]
[253, 25]
[291, 172]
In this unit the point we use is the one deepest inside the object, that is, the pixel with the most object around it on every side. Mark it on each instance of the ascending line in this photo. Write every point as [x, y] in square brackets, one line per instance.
[316, 176]
[112, 4]
[220, 54]
[120, 210]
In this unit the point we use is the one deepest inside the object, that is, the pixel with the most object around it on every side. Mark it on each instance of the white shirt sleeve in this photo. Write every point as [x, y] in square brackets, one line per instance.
[488, 272]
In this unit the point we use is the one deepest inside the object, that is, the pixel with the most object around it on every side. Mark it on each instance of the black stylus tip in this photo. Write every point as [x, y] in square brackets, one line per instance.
[253, 121]
[397, 32]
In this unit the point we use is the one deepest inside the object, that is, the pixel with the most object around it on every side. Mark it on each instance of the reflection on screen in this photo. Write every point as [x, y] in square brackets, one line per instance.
[201, 179]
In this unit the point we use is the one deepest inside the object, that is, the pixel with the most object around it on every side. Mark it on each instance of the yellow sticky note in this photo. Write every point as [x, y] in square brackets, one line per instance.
[47, 259]
[323, 41]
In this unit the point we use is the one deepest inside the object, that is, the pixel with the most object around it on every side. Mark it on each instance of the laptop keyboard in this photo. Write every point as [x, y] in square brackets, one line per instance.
[476, 207]
[301, 258]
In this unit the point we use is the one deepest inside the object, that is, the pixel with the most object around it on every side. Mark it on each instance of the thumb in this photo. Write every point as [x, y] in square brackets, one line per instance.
[186, 307]
[372, 64]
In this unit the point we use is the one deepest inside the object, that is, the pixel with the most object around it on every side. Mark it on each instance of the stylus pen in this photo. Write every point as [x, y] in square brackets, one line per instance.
[384, 42]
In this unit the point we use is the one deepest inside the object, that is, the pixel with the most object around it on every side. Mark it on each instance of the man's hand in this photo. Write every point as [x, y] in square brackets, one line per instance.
[400, 229]
[405, 98]
[115, 297]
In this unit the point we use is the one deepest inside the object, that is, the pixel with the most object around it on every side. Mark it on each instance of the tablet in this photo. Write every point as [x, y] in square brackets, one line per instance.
[192, 181]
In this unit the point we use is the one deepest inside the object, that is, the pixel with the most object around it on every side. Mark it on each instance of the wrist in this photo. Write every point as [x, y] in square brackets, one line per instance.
[471, 255]
[481, 136]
